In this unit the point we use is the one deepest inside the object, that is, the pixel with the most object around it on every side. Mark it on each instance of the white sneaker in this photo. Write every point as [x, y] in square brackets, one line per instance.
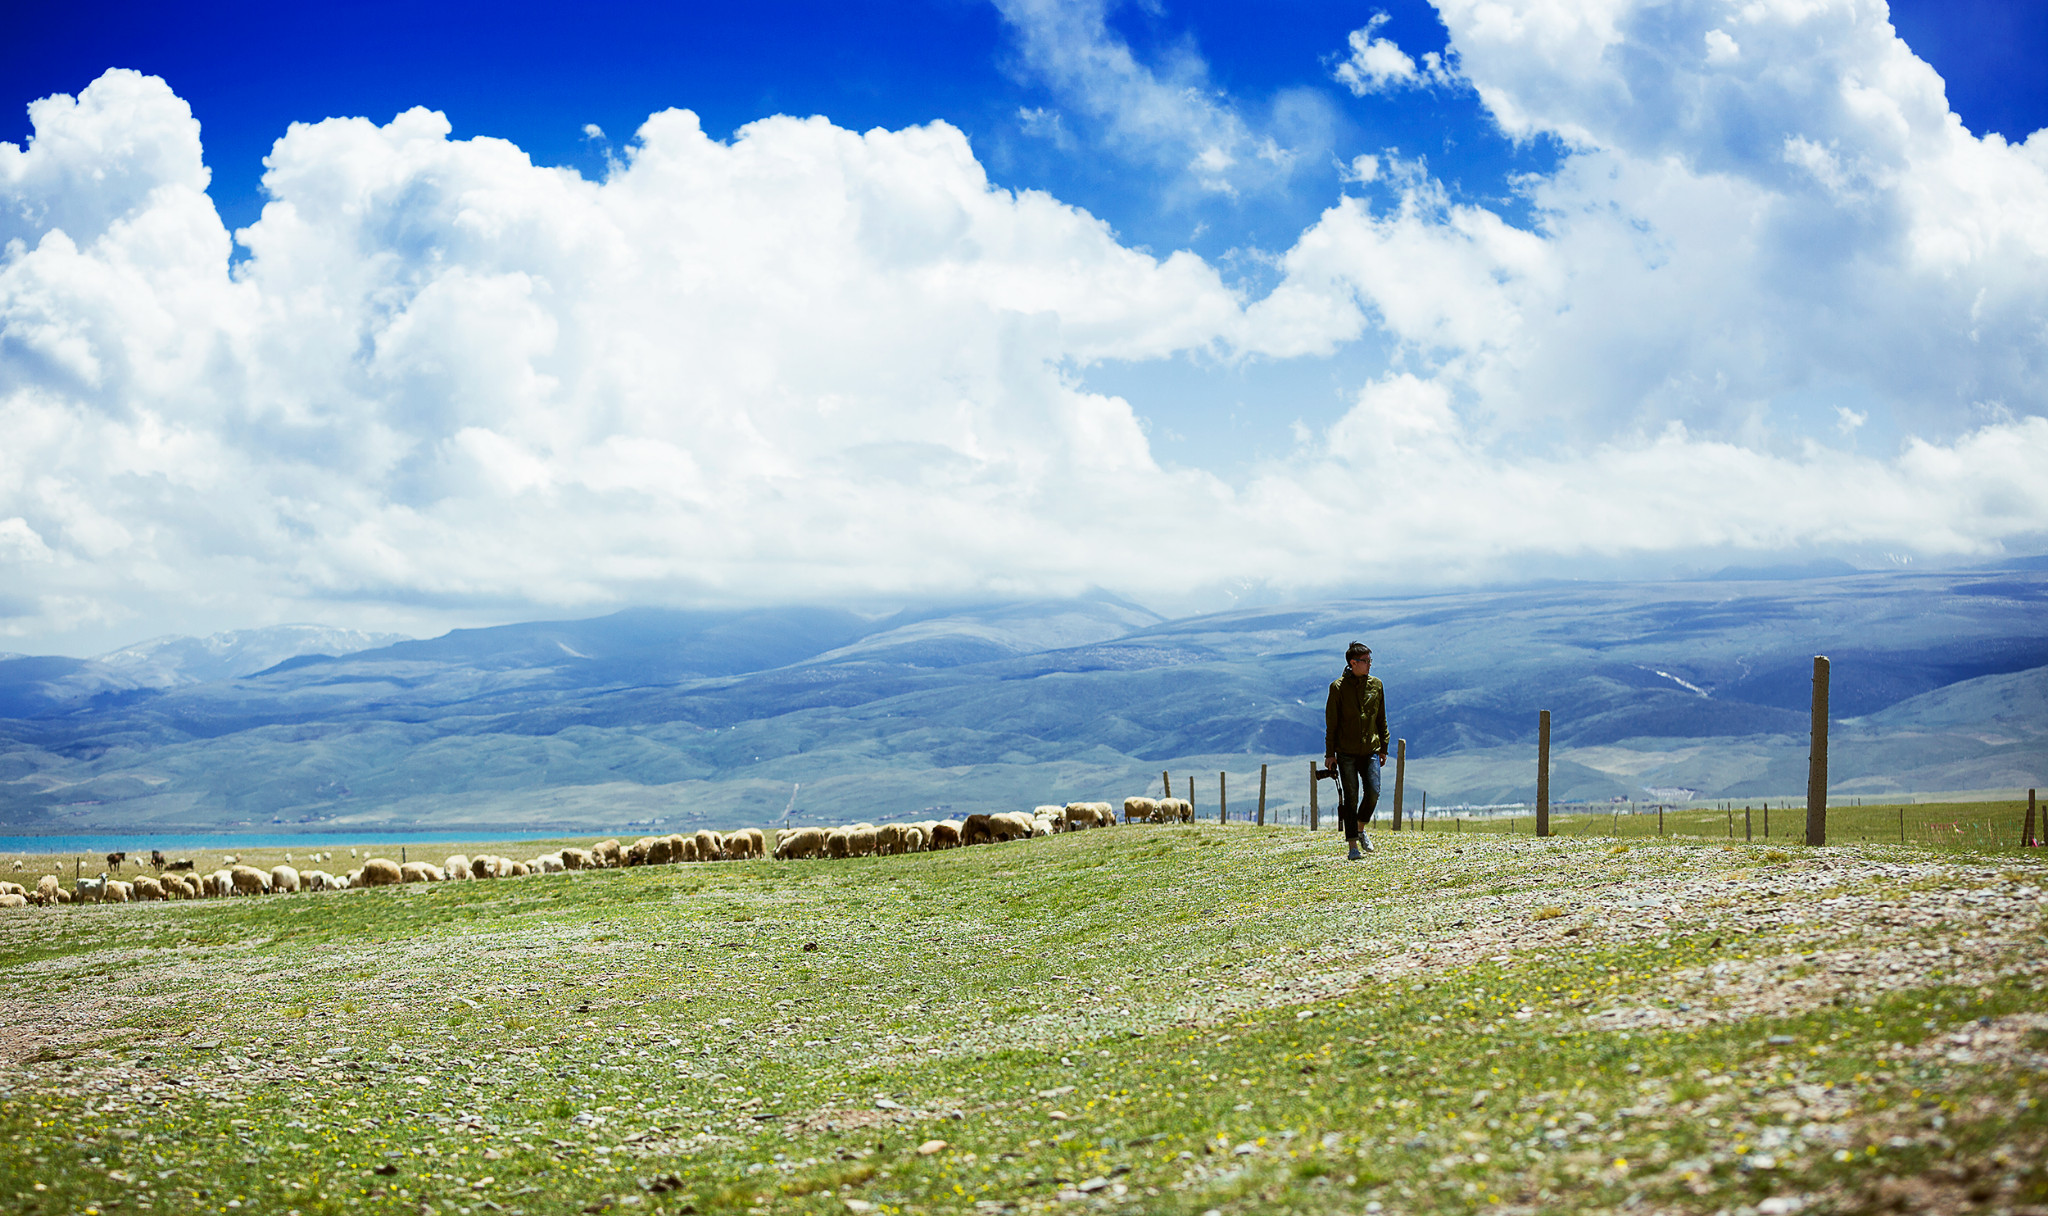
[1365, 842]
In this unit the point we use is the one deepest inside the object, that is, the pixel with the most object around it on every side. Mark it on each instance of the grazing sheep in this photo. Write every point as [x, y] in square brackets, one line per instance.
[607, 853]
[315, 880]
[518, 869]
[1010, 825]
[838, 842]
[751, 842]
[860, 840]
[13, 888]
[547, 863]
[148, 888]
[176, 887]
[1139, 809]
[798, 844]
[418, 871]
[248, 880]
[578, 859]
[182, 864]
[457, 867]
[283, 879]
[913, 838]
[710, 846]
[947, 834]
[90, 890]
[686, 849]
[677, 842]
[220, 884]
[63, 896]
[229, 860]
[975, 830]
[888, 840]
[377, 872]
[1044, 825]
[18, 867]
[1052, 814]
[11, 900]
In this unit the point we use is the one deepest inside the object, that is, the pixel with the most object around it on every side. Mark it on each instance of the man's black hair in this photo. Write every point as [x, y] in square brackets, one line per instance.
[1357, 650]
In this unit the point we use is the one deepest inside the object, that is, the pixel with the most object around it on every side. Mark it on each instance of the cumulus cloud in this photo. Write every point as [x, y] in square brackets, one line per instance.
[1376, 65]
[806, 363]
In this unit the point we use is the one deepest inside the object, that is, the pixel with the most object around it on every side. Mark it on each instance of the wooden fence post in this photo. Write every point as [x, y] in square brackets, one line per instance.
[1262, 795]
[1767, 821]
[1222, 797]
[1311, 795]
[1400, 777]
[1746, 833]
[1425, 810]
[2028, 838]
[1902, 823]
[1543, 773]
[1191, 795]
[1660, 819]
[1166, 780]
[1817, 759]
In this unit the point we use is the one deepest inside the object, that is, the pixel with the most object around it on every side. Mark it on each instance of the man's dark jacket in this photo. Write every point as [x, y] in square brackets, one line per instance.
[1355, 719]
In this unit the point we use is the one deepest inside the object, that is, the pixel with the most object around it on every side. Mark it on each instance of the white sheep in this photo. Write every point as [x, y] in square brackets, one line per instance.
[119, 892]
[284, 879]
[316, 880]
[90, 890]
[377, 872]
[11, 900]
[248, 880]
[797, 844]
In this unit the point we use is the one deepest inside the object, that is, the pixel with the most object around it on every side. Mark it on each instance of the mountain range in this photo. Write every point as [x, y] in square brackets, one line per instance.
[1659, 690]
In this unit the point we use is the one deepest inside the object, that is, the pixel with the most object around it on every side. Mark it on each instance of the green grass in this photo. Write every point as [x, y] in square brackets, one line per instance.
[1974, 827]
[1159, 1019]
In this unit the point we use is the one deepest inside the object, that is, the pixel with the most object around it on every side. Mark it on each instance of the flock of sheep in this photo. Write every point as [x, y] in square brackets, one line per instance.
[179, 879]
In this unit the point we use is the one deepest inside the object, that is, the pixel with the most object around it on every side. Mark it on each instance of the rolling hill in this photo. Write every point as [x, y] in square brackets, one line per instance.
[1940, 682]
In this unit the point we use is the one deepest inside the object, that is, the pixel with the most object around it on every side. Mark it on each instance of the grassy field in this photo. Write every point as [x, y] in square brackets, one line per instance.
[1150, 1019]
[1974, 827]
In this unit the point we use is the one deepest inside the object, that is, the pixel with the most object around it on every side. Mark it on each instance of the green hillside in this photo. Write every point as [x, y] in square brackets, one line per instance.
[1151, 1019]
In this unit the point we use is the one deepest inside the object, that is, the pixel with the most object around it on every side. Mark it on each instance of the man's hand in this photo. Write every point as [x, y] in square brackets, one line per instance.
[1330, 760]
[1383, 757]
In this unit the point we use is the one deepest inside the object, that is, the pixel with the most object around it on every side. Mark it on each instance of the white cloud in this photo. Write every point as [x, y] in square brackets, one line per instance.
[806, 364]
[1169, 115]
[1376, 65]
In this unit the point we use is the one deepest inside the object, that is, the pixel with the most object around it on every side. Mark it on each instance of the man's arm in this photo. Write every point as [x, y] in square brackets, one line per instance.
[1386, 736]
[1330, 726]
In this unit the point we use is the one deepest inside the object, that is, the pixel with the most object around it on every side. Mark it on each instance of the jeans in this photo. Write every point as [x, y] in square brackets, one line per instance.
[1350, 768]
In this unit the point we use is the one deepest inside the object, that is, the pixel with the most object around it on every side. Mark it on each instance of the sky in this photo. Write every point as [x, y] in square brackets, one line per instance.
[409, 317]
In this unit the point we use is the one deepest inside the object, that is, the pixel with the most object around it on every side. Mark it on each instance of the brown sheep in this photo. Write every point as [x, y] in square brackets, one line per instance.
[686, 849]
[420, 871]
[710, 845]
[946, 834]
[977, 830]
[799, 843]
[148, 888]
[248, 880]
[676, 841]
[518, 869]
[838, 841]
[578, 859]
[377, 872]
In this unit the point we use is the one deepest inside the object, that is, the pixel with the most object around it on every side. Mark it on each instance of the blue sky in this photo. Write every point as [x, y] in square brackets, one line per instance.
[1524, 290]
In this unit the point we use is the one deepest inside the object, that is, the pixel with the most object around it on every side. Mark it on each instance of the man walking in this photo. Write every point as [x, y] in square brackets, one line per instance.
[1355, 743]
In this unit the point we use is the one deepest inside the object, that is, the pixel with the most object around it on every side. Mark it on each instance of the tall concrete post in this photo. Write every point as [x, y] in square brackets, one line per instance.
[1817, 758]
[1543, 774]
[1400, 777]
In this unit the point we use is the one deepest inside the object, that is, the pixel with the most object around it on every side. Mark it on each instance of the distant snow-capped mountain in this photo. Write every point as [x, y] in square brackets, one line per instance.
[173, 660]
